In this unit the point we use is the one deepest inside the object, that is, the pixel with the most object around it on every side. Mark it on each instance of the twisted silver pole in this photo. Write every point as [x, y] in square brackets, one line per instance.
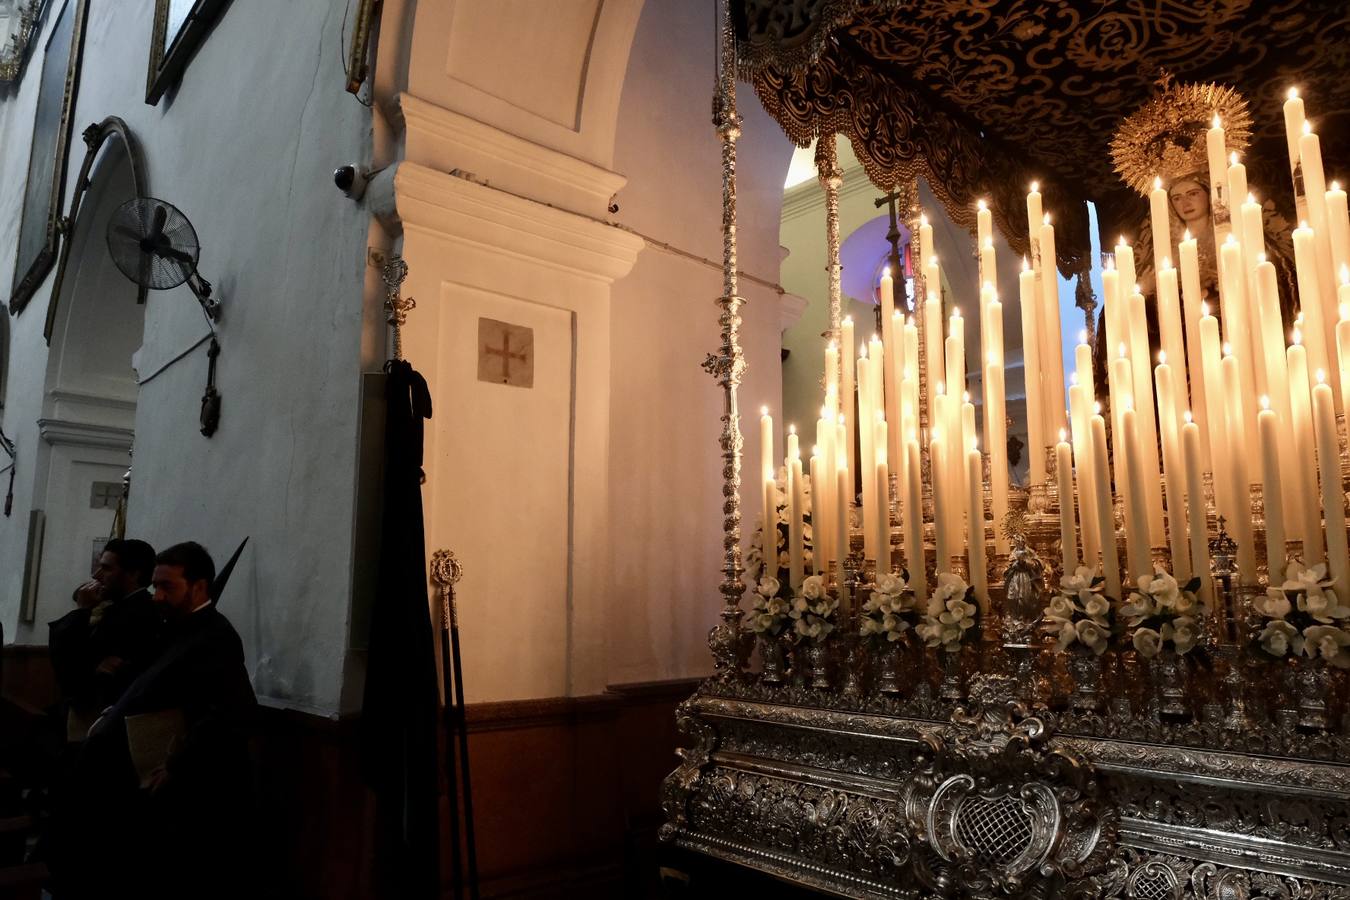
[831, 179]
[727, 365]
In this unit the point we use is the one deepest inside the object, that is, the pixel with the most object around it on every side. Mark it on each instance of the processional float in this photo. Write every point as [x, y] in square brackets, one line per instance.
[1126, 678]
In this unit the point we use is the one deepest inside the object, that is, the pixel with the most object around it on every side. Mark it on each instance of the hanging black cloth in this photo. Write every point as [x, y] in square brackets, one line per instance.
[399, 757]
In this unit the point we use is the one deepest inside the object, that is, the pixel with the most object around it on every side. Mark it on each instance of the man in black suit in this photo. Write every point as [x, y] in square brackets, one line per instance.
[99, 648]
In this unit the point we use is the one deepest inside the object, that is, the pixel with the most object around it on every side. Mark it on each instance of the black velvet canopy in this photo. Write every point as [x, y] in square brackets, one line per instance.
[981, 97]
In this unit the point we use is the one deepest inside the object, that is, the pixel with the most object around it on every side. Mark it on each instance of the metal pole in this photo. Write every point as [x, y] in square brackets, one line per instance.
[445, 572]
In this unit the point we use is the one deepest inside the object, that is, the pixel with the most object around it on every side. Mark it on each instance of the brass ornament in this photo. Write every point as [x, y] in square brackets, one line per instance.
[1165, 138]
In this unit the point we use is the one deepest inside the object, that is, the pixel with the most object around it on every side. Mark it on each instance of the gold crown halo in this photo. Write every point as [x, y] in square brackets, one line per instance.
[1165, 138]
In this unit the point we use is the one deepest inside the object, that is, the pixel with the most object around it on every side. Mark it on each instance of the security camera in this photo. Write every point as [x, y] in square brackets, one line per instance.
[352, 180]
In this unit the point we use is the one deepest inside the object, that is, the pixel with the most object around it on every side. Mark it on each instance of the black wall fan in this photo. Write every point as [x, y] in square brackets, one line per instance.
[155, 245]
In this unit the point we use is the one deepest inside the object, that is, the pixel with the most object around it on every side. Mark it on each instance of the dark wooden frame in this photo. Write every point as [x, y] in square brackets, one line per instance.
[94, 138]
[35, 270]
[169, 54]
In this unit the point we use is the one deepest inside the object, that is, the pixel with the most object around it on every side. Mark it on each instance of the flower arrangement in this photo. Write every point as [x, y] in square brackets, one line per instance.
[754, 557]
[812, 611]
[1080, 614]
[770, 611]
[891, 610]
[1305, 617]
[1162, 615]
[952, 614]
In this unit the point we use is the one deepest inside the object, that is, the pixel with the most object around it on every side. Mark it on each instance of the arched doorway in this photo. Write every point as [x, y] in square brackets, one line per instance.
[89, 395]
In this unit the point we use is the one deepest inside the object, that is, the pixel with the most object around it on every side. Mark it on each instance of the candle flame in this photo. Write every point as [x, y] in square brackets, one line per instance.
[991, 359]
[1265, 402]
[1046, 219]
[1082, 336]
[1321, 377]
[1218, 122]
[832, 346]
[1137, 290]
[763, 410]
[862, 351]
[1162, 357]
[1233, 158]
[1129, 404]
[1261, 259]
[886, 272]
[824, 412]
[792, 429]
[975, 445]
[1035, 186]
[1296, 337]
[1227, 349]
[897, 314]
[1335, 185]
[1292, 94]
[956, 312]
[933, 260]
[1186, 235]
[1110, 264]
[1157, 183]
[1230, 240]
[1062, 435]
[876, 338]
[1122, 350]
[1204, 309]
[923, 219]
[1345, 311]
[1345, 274]
[1302, 223]
[1122, 242]
[981, 205]
[1026, 267]
[1097, 409]
[848, 320]
[815, 449]
[1188, 417]
[1073, 379]
[989, 243]
[1251, 198]
[1307, 126]
[941, 389]
[1166, 263]
[843, 420]
[913, 435]
[965, 396]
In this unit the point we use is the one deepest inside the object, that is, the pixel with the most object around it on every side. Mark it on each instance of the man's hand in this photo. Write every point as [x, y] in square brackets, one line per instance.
[110, 665]
[155, 781]
[89, 594]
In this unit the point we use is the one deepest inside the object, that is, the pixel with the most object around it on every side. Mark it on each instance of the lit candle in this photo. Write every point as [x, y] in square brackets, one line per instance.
[1120, 385]
[797, 497]
[996, 431]
[1068, 539]
[1333, 493]
[1031, 369]
[1268, 424]
[1034, 217]
[1051, 336]
[984, 231]
[1115, 329]
[768, 491]
[1147, 424]
[1310, 298]
[883, 517]
[1293, 130]
[1215, 152]
[819, 566]
[1136, 512]
[968, 434]
[1305, 472]
[866, 455]
[956, 386]
[1239, 483]
[1125, 267]
[1338, 227]
[1174, 474]
[841, 535]
[847, 405]
[1343, 334]
[1197, 518]
[1277, 382]
[1237, 181]
[956, 354]
[832, 373]
[1238, 328]
[892, 336]
[1159, 221]
[1213, 389]
[1315, 185]
[1079, 405]
[979, 570]
[1169, 330]
[925, 240]
[942, 513]
[1106, 523]
[1193, 309]
[918, 577]
[932, 339]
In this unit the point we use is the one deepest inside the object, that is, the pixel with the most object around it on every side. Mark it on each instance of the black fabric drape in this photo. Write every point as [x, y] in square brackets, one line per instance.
[398, 724]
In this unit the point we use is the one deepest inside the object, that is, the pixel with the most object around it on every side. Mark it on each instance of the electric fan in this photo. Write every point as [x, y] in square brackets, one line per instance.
[154, 245]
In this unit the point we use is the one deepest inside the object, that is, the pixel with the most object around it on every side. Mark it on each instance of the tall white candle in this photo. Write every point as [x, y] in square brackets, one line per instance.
[1277, 382]
[1239, 489]
[848, 405]
[1120, 383]
[1052, 335]
[1338, 227]
[841, 535]
[1268, 424]
[1343, 335]
[1159, 222]
[1136, 509]
[1140, 367]
[1216, 153]
[818, 529]
[1197, 518]
[1170, 332]
[822, 491]
[768, 491]
[979, 570]
[1315, 184]
[933, 344]
[1310, 297]
[1293, 130]
[997, 439]
[925, 240]
[942, 512]
[796, 545]
[883, 518]
[832, 371]
[913, 508]
[1035, 215]
[1068, 536]
[1239, 329]
[1300, 404]
[1333, 492]
[1031, 372]
[1215, 425]
[1193, 309]
[1174, 474]
[956, 354]
[1079, 413]
[1106, 523]
[866, 457]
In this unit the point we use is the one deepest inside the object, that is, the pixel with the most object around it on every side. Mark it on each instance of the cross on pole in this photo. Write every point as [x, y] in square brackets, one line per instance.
[893, 236]
[505, 353]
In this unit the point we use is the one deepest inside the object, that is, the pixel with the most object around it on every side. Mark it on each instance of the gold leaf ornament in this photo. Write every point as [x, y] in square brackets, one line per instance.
[1165, 138]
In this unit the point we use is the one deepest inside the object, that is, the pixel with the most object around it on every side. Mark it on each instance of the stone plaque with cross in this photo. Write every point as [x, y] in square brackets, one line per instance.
[505, 353]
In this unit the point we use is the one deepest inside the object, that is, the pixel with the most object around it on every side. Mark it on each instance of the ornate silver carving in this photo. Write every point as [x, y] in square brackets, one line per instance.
[831, 179]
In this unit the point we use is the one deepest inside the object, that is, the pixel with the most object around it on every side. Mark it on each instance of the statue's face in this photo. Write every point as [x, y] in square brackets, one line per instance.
[1190, 200]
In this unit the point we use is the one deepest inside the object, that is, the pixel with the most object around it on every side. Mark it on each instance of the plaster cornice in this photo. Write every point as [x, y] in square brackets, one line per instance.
[84, 434]
[807, 197]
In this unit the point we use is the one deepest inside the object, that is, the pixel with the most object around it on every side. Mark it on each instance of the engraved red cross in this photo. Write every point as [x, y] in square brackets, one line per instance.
[505, 353]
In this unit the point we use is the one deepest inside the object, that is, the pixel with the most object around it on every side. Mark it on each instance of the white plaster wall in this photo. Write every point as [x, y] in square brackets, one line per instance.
[665, 463]
[245, 147]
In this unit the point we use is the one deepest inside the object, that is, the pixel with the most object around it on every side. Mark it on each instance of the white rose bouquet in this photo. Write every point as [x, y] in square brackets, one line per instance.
[769, 613]
[754, 555]
[1162, 615]
[1080, 614]
[891, 610]
[1305, 617]
[812, 611]
[952, 614]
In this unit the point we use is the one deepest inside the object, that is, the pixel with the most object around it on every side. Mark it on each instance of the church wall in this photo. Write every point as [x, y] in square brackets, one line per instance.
[245, 146]
[665, 463]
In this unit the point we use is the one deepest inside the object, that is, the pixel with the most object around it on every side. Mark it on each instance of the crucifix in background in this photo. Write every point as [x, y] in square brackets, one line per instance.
[896, 260]
[505, 353]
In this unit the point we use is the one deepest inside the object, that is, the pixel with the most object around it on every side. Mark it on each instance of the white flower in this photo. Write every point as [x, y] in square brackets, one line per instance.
[1097, 606]
[1147, 641]
[1092, 635]
[890, 584]
[1274, 605]
[1322, 605]
[1067, 635]
[762, 622]
[1139, 606]
[1080, 580]
[1185, 603]
[1328, 642]
[813, 588]
[1061, 608]
[768, 586]
[949, 585]
[799, 606]
[1298, 577]
[1162, 586]
[1279, 636]
[1184, 633]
